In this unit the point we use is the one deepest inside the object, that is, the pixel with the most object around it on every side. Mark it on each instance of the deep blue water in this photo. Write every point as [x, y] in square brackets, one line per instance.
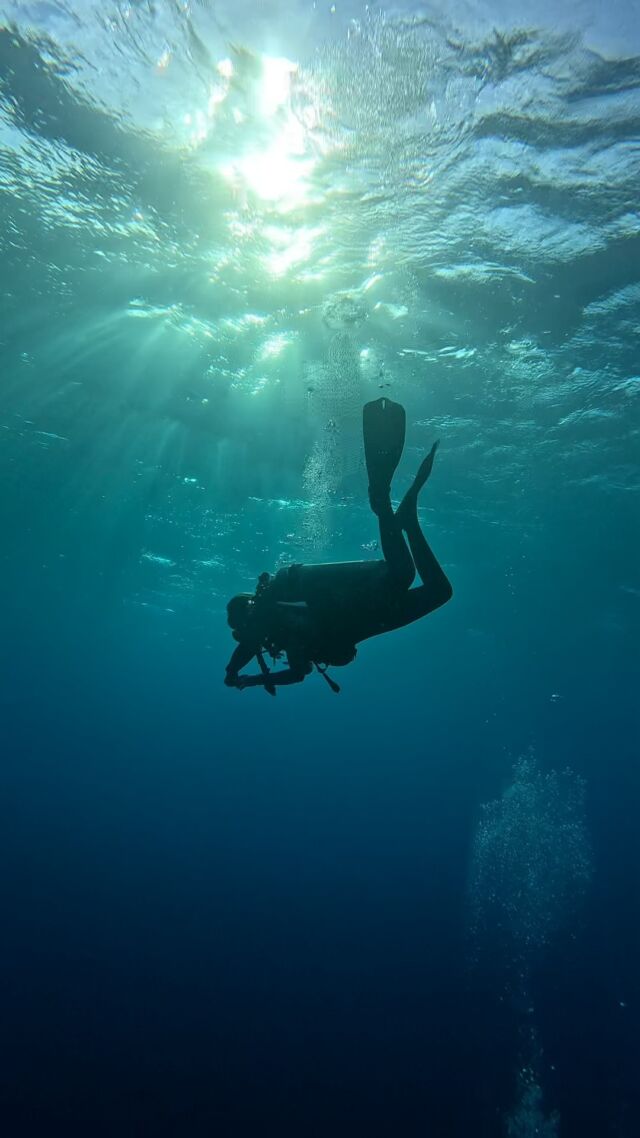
[223, 230]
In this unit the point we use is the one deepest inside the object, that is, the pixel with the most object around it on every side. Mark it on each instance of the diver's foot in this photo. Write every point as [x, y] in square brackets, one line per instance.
[407, 510]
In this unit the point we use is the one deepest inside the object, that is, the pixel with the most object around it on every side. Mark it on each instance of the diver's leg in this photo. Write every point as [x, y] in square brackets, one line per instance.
[412, 604]
[394, 548]
[431, 572]
[383, 428]
[407, 510]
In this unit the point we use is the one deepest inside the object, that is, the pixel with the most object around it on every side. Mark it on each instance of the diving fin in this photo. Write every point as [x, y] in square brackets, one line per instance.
[384, 426]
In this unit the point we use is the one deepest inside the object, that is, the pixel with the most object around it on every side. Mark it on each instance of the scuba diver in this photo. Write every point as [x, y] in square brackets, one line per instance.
[317, 614]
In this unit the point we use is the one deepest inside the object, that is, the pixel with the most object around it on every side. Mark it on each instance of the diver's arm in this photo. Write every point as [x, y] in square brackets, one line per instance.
[274, 679]
[299, 667]
[242, 655]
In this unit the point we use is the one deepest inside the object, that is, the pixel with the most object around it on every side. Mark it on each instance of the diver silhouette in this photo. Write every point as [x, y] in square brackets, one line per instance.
[317, 614]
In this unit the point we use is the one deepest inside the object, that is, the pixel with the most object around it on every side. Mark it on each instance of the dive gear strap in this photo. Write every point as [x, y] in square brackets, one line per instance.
[323, 672]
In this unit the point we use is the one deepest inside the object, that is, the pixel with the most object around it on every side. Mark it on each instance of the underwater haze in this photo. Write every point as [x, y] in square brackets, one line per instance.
[411, 909]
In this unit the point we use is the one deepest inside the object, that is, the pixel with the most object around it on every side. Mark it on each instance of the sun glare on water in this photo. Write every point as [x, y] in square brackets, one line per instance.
[266, 155]
[277, 171]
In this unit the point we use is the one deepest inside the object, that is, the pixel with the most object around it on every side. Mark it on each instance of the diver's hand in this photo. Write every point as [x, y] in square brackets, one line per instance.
[242, 682]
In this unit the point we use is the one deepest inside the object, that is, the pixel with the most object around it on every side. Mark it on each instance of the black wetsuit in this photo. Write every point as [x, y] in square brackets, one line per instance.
[317, 614]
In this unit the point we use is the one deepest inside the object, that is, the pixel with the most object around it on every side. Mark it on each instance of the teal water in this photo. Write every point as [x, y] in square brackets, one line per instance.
[224, 228]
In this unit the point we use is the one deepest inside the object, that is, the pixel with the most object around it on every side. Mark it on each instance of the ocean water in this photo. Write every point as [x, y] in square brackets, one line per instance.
[411, 909]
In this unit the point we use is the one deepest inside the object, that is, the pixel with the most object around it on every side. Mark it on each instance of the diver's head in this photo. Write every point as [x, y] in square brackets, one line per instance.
[239, 610]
